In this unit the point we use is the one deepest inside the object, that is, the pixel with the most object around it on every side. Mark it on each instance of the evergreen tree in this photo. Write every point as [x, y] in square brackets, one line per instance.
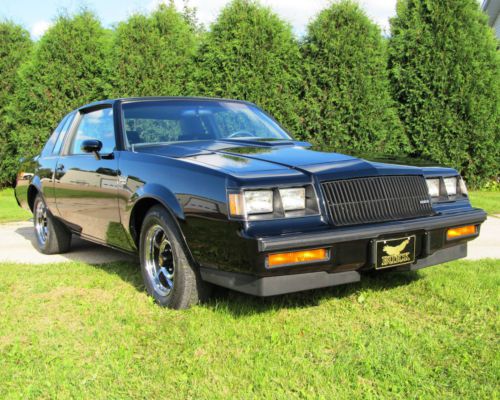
[346, 99]
[67, 69]
[445, 74]
[15, 47]
[251, 54]
[152, 54]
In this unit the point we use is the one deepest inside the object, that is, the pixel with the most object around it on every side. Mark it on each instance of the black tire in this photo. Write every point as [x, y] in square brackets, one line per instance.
[169, 276]
[52, 237]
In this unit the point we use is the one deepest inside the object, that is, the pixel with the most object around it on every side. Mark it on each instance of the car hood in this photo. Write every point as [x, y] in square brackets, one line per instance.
[251, 156]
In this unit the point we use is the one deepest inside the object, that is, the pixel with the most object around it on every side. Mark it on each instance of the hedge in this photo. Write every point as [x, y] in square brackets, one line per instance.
[251, 54]
[67, 69]
[445, 74]
[429, 90]
[347, 105]
[15, 46]
[152, 55]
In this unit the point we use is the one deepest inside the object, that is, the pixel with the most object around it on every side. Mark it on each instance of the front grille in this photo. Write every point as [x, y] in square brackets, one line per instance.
[376, 199]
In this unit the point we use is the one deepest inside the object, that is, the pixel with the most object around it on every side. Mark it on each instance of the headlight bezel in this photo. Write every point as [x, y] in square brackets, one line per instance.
[238, 209]
[446, 193]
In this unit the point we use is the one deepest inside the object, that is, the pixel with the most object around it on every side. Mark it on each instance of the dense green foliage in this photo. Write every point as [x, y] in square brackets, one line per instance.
[15, 46]
[67, 69]
[445, 73]
[346, 98]
[152, 54]
[439, 98]
[251, 54]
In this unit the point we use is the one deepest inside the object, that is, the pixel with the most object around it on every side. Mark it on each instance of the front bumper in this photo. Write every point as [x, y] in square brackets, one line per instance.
[352, 253]
[290, 242]
[276, 285]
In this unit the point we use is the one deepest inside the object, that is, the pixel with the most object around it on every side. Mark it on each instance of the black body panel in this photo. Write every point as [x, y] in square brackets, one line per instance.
[103, 199]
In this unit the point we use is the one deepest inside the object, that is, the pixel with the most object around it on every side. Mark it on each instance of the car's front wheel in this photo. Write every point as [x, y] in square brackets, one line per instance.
[52, 237]
[169, 276]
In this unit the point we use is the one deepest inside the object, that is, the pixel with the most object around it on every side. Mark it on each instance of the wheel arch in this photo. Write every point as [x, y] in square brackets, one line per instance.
[144, 200]
[34, 188]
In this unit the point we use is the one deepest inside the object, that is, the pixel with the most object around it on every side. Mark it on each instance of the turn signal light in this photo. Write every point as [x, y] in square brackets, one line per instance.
[456, 233]
[296, 257]
[236, 205]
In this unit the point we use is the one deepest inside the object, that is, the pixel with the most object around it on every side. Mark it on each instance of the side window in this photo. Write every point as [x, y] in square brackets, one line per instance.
[95, 125]
[63, 134]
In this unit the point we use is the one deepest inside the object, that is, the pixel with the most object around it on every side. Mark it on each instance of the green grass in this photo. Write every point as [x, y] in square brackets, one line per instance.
[488, 201]
[80, 331]
[9, 209]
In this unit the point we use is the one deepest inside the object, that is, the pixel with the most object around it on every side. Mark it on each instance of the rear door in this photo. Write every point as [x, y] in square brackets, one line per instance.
[86, 187]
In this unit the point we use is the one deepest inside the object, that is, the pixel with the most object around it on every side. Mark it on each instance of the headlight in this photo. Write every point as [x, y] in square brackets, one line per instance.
[451, 186]
[293, 199]
[463, 187]
[433, 187]
[259, 201]
[273, 203]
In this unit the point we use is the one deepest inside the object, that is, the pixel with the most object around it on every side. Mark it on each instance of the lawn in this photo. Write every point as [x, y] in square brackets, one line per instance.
[9, 210]
[80, 331]
[488, 201]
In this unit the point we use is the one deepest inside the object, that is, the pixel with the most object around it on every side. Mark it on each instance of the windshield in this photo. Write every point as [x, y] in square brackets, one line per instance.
[150, 122]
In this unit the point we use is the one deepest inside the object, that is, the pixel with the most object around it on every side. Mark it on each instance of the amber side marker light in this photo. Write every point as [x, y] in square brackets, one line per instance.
[296, 257]
[236, 205]
[456, 233]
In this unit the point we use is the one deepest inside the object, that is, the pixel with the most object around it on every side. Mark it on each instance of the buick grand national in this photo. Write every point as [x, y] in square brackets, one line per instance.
[215, 192]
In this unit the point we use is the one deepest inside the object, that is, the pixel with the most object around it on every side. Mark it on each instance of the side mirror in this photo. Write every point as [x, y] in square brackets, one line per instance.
[92, 146]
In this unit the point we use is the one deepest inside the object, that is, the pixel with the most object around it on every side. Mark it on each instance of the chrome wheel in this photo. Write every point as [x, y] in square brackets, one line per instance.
[41, 223]
[160, 264]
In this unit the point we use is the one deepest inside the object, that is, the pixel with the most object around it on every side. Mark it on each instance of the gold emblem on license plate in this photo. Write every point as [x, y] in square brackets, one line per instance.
[389, 255]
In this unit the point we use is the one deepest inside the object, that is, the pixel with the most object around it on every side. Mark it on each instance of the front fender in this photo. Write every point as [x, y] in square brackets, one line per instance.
[162, 195]
[138, 203]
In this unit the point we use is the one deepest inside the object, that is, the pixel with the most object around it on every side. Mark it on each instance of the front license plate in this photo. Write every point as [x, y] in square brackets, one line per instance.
[394, 252]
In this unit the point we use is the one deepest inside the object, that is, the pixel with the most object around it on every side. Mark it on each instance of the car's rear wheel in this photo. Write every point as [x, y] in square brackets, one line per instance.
[52, 237]
[169, 276]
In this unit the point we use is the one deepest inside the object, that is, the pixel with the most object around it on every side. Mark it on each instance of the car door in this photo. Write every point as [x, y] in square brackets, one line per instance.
[85, 185]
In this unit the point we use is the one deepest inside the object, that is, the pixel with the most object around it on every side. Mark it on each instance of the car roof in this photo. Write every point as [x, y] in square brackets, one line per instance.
[156, 98]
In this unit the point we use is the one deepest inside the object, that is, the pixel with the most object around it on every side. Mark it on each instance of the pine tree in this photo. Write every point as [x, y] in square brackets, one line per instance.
[67, 70]
[152, 54]
[346, 100]
[251, 54]
[445, 74]
[15, 47]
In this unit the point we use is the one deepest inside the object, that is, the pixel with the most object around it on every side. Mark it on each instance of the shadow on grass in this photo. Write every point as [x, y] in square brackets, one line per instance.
[240, 304]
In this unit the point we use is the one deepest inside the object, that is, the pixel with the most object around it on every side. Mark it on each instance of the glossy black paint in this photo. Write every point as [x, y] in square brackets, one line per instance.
[105, 198]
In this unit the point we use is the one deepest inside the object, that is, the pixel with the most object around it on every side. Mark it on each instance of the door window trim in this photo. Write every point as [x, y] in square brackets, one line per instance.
[64, 133]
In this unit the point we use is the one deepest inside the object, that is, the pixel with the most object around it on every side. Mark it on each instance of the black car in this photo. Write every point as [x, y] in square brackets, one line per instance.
[213, 191]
